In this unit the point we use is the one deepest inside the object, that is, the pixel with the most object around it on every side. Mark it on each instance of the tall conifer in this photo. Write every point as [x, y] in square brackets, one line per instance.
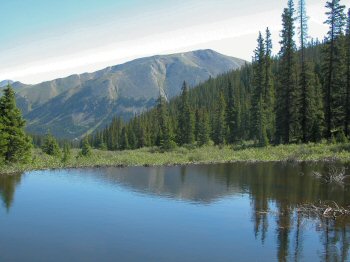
[219, 126]
[332, 66]
[287, 103]
[16, 143]
[231, 115]
[269, 96]
[165, 138]
[347, 99]
[185, 120]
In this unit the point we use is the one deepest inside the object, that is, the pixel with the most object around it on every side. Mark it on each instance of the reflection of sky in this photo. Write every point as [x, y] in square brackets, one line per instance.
[81, 216]
[42, 40]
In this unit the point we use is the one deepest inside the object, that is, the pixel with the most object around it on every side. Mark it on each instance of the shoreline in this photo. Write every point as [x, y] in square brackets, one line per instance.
[152, 157]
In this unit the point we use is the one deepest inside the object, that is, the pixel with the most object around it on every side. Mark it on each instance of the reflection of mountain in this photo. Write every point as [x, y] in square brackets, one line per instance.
[8, 186]
[192, 183]
[283, 183]
[270, 186]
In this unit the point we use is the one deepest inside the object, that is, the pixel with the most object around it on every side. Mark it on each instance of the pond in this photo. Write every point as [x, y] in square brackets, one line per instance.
[224, 212]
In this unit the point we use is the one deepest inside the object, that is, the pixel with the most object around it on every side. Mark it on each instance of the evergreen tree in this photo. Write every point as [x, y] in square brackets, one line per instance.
[307, 110]
[51, 146]
[318, 121]
[219, 121]
[347, 99]
[185, 133]
[16, 145]
[85, 148]
[333, 72]
[231, 115]
[66, 153]
[258, 105]
[203, 129]
[166, 141]
[287, 115]
[197, 124]
[124, 144]
[3, 142]
[261, 125]
[269, 96]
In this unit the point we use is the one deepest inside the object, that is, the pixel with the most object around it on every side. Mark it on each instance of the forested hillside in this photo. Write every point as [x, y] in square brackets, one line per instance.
[300, 95]
[73, 106]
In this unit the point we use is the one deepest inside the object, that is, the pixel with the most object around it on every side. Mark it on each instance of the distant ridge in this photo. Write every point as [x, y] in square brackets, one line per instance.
[5, 83]
[77, 104]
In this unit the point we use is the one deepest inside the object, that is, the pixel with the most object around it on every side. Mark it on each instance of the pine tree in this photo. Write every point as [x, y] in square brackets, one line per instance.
[16, 144]
[219, 121]
[287, 115]
[124, 144]
[261, 125]
[85, 148]
[258, 105]
[185, 120]
[333, 72]
[3, 142]
[269, 96]
[166, 141]
[197, 124]
[307, 110]
[231, 115]
[347, 99]
[318, 121]
[203, 129]
[51, 146]
[66, 153]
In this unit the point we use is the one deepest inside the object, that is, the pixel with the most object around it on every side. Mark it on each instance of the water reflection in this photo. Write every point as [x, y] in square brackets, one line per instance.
[274, 190]
[8, 186]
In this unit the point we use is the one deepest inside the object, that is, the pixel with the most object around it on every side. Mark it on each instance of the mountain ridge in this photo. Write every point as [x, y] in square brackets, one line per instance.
[81, 103]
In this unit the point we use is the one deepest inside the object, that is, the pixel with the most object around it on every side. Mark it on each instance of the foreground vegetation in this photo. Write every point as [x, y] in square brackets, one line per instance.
[180, 156]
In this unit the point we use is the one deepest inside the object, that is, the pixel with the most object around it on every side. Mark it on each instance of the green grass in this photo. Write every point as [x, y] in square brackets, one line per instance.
[180, 156]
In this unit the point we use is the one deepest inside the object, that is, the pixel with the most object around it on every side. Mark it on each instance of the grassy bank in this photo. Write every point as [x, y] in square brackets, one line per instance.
[208, 154]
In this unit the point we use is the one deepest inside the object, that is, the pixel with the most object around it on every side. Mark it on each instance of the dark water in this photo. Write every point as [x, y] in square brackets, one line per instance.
[194, 213]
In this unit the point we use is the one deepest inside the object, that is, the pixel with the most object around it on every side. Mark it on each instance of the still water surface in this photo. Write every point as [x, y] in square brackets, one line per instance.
[193, 213]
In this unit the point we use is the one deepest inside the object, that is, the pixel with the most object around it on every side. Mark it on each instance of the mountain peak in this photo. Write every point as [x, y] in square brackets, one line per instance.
[75, 105]
[4, 83]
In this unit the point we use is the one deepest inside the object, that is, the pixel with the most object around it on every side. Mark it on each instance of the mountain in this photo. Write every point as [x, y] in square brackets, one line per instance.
[75, 105]
[5, 83]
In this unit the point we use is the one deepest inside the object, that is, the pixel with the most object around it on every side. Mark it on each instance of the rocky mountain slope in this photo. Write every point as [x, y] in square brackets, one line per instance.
[75, 105]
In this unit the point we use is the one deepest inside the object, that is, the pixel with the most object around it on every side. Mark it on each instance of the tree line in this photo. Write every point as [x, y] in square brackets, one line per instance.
[300, 95]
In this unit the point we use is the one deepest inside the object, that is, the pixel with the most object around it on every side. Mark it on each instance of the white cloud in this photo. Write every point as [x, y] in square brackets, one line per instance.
[225, 34]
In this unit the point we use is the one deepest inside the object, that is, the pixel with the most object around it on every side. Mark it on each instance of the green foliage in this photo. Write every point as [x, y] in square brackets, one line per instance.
[333, 66]
[300, 95]
[185, 132]
[219, 122]
[85, 148]
[124, 144]
[287, 113]
[51, 146]
[66, 153]
[180, 155]
[165, 137]
[203, 128]
[347, 91]
[14, 143]
[231, 116]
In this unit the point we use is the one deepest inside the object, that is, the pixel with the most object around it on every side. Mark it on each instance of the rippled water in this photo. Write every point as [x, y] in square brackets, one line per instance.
[226, 212]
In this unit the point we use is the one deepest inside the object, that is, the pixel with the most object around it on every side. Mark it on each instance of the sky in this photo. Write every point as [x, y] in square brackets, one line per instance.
[42, 40]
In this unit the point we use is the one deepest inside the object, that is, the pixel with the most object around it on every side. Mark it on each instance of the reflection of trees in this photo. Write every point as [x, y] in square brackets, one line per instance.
[286, 190]
[7, 188]
[271, 186]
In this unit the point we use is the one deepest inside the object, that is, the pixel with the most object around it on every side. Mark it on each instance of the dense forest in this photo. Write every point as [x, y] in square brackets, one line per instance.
[300, 95]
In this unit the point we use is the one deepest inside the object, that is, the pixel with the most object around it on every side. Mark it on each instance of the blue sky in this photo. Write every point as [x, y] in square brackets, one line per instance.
[46, 39]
